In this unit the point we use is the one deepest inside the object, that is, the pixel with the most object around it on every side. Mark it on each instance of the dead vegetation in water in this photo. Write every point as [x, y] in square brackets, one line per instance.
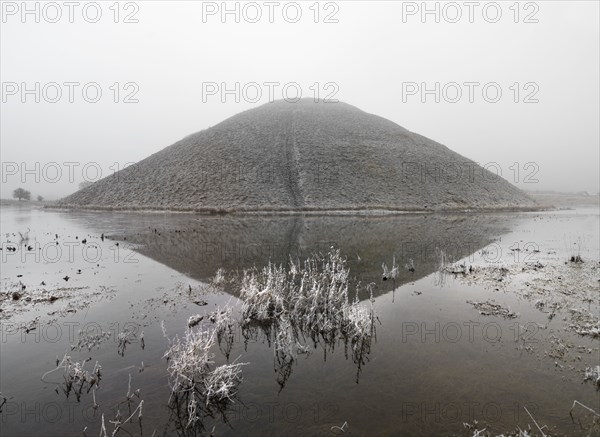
[592, 374]
[224, 326]
[392, 272]
[313, 293]
[563, 290]
[446, 268]
[489, 308]
[476, 429]
[89, 340]
[198, 387]
[76, 378]
[584, 323]
[128, 336]
[58, 301]
[119, 419]
[588, 426]
[219, 278]
[566, 291]
[574, 248]
[312, 296]
[305, 301]
[18, 292]
[3, 400]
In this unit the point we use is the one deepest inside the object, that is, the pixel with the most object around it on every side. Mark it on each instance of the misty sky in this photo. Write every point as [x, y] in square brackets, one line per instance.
[369, 58]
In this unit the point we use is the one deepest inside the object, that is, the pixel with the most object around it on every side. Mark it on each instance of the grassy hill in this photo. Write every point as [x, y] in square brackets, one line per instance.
[302, 156]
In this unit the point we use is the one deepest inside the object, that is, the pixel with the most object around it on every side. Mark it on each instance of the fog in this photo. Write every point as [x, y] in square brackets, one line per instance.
[163, 77]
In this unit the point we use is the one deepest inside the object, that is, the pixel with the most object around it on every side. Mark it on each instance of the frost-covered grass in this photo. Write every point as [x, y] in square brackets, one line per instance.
[221, 384]
[536, 429]
[312, 295]
[574, 248]
[592, 374]
[392, 273]
[219, 277]
[288, 305]
[190, 360]
[225, 328]
[358, 323]
[89, 340]
[119, 419]
[306, 299]
[584, 322]
[194, 380]
[75, 376]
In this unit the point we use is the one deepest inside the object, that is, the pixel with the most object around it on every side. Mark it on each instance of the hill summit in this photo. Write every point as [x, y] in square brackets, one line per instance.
[302, 156]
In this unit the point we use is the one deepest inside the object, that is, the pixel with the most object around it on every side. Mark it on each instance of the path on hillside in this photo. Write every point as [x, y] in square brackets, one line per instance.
[292, 156]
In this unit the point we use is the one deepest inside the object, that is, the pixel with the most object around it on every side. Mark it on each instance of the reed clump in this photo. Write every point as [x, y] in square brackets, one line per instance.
[311, 295]
[195, 382]
[307, 299]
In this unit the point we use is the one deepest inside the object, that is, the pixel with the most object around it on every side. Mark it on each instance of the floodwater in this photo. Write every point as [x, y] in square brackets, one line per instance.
[437, 362]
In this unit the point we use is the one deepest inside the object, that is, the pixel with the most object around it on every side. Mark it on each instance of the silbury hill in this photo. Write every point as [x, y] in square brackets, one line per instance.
[303, 156]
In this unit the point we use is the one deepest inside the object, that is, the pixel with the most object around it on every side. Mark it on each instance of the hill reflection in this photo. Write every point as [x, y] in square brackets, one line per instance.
[199, 246]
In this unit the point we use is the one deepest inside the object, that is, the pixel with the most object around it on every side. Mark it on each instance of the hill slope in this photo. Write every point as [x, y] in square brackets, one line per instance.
[302, 156]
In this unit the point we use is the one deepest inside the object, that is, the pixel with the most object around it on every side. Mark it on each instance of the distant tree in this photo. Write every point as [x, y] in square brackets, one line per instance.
[84, 184]
[21, 193]
[40, 199]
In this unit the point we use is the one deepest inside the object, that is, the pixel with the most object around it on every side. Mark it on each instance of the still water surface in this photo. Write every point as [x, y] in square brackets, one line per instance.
[436, 361]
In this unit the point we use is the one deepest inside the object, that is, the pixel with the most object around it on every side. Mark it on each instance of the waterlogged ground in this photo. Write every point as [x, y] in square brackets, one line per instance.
[487, 320]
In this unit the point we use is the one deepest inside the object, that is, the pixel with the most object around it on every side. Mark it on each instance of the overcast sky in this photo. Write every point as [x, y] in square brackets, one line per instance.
[378, 56]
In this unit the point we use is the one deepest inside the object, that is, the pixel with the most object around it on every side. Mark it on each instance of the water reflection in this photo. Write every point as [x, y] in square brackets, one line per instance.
[409, 377]
[198, 247]
[381, 252]
[179, 416]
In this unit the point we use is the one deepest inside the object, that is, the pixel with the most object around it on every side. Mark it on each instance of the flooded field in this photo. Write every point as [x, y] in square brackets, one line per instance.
[480, 321]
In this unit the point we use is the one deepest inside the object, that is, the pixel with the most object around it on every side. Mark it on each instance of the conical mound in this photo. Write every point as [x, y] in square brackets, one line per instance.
[305, 156]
